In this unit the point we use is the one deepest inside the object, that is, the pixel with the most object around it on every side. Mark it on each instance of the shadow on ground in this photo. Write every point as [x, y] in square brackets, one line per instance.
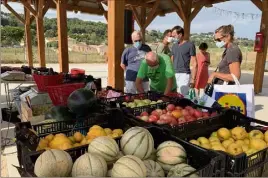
[259, 107]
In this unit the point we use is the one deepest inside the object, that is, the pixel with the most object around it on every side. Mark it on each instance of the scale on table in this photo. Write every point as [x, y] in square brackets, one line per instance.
[13, 76]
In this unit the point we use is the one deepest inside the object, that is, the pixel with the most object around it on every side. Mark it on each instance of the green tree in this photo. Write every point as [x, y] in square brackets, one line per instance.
[53, 44]
[51, 33]
[11, 35]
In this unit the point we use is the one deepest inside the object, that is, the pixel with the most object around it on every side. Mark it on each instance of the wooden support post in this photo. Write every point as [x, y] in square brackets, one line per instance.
[63, 56]
[40, 34]
[28, 37]
[142, 23]
[187, 21]
[115, 43]
[261, 57]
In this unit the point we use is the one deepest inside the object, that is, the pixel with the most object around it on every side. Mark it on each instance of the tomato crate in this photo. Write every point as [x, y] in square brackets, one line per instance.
[27, 135]
[134, 100]
[206, 163]
[181, 128]
[254, 165]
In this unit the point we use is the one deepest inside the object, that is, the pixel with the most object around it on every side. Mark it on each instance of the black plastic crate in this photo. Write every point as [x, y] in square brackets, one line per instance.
[207, 163]
[113, 119]
[255, 165]
[182, 130]
[153, 96]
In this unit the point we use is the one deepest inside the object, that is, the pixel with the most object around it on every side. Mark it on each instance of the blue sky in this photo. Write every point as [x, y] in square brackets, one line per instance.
[206, 21]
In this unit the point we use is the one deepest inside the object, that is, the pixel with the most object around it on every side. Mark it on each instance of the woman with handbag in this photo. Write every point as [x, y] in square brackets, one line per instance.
[231, 57]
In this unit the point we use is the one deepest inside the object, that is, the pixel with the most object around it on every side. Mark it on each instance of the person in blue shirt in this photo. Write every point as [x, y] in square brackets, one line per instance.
[131, 60]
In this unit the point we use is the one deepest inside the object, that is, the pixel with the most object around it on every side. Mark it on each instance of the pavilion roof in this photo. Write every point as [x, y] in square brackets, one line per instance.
[96, 6]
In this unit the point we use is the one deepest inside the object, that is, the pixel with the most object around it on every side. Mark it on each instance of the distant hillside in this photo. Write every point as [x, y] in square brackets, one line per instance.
[94, 33]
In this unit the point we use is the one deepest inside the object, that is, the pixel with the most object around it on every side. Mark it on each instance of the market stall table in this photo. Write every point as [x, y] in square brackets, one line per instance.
[7, 89]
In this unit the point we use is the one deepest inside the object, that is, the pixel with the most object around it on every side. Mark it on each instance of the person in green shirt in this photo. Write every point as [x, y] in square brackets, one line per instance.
[159, 69]
[163, 47]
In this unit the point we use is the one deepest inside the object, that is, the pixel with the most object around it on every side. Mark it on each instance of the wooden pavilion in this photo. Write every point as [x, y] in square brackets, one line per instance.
[145, 11]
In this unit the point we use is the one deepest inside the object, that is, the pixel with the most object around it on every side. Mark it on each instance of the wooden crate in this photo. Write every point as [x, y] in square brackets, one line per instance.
[27, 114]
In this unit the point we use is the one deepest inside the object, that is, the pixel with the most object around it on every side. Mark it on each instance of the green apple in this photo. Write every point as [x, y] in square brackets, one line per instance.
[153, 102]
[147, 101]
[140, 104]
[124, 103]
[136, 101]
[159, 101]
[131, 105]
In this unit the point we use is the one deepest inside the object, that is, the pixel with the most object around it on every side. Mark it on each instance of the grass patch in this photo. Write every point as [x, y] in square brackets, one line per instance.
[17, 56]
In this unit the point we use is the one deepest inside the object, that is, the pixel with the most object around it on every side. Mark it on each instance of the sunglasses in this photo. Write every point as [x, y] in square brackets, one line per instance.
[219, 39]
[137, 41]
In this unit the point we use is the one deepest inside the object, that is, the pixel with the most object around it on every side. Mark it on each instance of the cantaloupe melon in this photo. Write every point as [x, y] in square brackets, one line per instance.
[137, 141]
[153, 169]
[53, 163]
[169, 154]
[89, 165]
[105, 147]
[181, 170]
[129, 166]
[153, 155]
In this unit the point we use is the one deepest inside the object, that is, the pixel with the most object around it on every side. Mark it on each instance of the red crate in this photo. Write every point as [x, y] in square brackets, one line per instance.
[60, 93]
[43, 81]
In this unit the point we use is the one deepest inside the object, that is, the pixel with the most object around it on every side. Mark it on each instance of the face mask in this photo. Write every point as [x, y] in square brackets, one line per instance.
[137, 45]
[154, 67]
[170, 39]
[175, 40]
[220, 44]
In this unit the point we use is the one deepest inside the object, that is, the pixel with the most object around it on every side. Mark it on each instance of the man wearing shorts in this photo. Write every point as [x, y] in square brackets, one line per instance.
[183, 53]
[131, 60]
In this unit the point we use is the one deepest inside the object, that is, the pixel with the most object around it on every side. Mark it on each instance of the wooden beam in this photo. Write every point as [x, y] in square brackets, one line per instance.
[81, 9]
[208, 2]
[187, 22]
[40, 36]
[115, 43]
[197, 9]
[178, 9]
[105, 12]
[152, 13]
[257, 3]
[143, 20]
[63, 56]
[28, 37]
[40, 10]
[195, 12]
[261, 56]
[29, 7]
[15, 13]
[45, 9]
[139, 3]
[85, 9]
[136, 15]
